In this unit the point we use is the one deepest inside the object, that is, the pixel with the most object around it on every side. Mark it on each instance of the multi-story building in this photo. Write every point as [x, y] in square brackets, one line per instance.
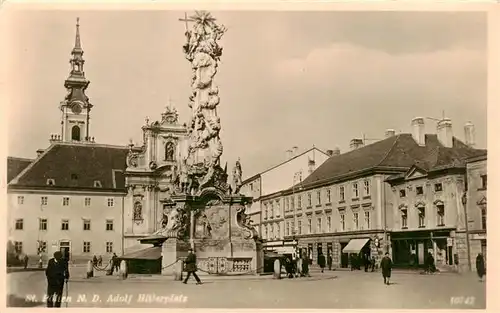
[352, 203]
[428, 213]
[71, 196]
[476, 203]
[268, 216]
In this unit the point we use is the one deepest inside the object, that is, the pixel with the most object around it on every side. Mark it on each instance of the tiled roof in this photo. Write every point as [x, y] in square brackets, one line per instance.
[76, 166]
[398, 152]
[16, 166]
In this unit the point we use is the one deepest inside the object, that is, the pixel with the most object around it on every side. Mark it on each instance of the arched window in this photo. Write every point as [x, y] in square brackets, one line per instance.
[169, 151]
[75, 133]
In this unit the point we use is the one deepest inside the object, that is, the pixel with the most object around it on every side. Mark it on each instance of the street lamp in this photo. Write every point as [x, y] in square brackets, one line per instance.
[464, 204]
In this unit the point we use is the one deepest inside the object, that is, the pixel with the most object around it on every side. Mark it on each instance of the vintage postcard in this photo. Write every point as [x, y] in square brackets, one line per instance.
[293, 156]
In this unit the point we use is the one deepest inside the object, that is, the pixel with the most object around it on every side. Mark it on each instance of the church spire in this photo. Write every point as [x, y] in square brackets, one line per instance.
[78, 45]
[76, 106]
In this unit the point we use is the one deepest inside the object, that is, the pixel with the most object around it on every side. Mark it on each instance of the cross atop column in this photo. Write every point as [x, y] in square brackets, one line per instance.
[186, 20]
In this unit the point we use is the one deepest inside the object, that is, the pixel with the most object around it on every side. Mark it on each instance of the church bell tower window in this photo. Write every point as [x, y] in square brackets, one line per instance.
[75, 133]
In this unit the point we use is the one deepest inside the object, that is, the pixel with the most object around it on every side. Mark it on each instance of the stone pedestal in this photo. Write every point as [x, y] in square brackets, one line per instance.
[173, 249]
[214, 224]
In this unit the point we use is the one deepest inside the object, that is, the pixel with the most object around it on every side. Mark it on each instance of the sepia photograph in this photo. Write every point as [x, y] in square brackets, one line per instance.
[279, 159]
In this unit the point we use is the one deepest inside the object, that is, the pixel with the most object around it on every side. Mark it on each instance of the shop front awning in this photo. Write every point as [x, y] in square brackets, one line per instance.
[355, 245]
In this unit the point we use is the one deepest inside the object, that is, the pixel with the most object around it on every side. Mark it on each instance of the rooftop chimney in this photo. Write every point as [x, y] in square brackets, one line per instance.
[390, 133]
[470, 134]
[39, 152]
[288, 154]
[444, 132]
[356, 143]
[329, 152]
[295, 150]
[311, 166]
[418, 130]
[336, 151]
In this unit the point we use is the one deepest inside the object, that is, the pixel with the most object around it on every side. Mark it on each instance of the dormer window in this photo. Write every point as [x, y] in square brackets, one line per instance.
[402, 193]
[97, 184]
[438, 187]
[51, 182]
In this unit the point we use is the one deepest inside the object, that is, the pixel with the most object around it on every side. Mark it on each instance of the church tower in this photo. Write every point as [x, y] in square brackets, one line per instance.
[76, 106]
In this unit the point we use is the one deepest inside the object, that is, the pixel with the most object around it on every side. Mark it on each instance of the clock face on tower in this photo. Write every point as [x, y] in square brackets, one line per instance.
[76, 108]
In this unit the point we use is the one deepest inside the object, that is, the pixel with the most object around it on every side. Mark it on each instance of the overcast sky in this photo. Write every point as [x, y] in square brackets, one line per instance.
[286, 78]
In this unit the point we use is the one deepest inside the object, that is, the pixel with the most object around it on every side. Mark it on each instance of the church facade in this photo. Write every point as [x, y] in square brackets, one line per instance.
[87, 198]
[151, 174]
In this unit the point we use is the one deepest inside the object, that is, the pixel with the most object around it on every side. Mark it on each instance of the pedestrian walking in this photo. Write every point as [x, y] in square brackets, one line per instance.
[305, 265]
[191, 267]
[329, 261]
[57, 273]
[321, 262]
[26, 259]
[99, 260]
[94, 260]
[366, 261]
[480, 266]
[373, 263]
[386, 265]
[430, 264]
[115, 264]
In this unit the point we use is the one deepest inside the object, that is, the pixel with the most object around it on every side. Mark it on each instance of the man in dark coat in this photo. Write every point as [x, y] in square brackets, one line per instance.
[386, 265]
[305, 264]
[329, 261]
[430, 266]
[191, 267]
[366, 261]
[26, 259]
[57, 274]
[480, 267]
[321, 262]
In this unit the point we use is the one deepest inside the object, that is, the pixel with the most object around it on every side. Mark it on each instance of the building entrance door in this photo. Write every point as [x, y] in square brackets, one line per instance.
[65, 248]
[344, 257]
